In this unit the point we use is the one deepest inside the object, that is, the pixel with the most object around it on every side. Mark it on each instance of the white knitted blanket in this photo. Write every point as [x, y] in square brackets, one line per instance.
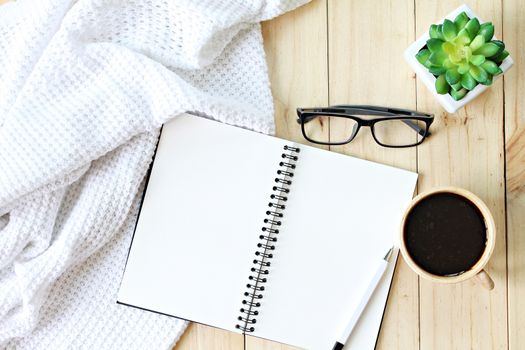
[84, 87]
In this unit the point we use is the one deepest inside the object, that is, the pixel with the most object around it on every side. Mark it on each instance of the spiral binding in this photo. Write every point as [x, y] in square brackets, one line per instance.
[264, 253]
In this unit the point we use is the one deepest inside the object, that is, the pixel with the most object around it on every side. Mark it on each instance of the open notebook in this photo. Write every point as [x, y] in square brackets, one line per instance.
[256, 234]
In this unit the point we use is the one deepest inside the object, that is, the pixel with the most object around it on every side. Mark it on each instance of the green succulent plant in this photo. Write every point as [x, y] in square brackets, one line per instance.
[461, 54]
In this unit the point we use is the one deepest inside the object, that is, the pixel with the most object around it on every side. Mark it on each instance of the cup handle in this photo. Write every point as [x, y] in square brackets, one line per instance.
[485, 280]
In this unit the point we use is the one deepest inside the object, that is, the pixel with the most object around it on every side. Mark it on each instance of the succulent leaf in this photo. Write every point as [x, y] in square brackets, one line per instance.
[491, 67]
[461, 20]
[437, 58]
[441, 85]
[488, 49]
[479, 74]
[449, 30]
[472, 27]
[459, 94]
[464, 68]
[487, 30]
[434, 45]
[488, 81]
[433, 32]
[452, 76]
[478, 41]
[463, 37]
[440, 31]
[477, 59]
[468, 82]
[422, 56]
[437, 70]
[501, 45]
[448, 47]
[448, 64]
[457, 86]
[500, 57]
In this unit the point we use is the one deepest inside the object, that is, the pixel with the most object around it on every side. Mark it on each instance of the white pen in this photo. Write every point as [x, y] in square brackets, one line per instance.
[343, 338]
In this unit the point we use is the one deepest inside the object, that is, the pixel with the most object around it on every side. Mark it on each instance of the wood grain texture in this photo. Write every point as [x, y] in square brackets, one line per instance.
[296, 53]
[356, 41]
[350, 51]
[466, 150]
[514, 84]
[200, 337]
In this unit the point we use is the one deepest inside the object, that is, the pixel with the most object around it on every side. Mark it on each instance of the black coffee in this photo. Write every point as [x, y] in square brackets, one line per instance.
[445, 234]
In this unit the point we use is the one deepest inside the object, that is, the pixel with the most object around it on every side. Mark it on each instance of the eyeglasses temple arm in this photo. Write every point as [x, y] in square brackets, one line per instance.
[416, 128]
[377, 110]
[306, 119]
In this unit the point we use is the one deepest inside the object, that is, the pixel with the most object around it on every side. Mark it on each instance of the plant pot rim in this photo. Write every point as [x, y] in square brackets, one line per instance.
[429, 79]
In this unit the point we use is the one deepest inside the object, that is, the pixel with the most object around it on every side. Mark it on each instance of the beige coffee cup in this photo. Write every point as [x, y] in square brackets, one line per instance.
[476, 271]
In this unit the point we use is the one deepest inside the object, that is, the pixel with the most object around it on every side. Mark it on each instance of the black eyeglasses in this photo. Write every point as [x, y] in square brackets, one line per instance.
[396, 128]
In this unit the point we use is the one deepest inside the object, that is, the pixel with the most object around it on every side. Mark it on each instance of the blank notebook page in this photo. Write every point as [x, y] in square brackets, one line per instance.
[200, 221]
[340, 220]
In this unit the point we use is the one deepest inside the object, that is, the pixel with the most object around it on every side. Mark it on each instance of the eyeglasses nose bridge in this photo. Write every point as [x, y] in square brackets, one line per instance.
[365, 122]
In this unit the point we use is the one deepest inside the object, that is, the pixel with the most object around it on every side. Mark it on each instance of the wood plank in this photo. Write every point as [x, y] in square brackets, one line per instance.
[198, 337]
[514, 84]
[366, 66]
[296, 52]
[465, 150]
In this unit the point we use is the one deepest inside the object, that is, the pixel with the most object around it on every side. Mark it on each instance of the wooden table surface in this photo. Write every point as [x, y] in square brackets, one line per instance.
[350, 51]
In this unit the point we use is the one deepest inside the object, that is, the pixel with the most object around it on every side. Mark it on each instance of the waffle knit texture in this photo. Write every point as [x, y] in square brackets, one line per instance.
[84, 87]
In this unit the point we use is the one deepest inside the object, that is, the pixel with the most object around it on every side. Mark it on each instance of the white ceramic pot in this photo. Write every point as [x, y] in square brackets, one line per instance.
[429, 79]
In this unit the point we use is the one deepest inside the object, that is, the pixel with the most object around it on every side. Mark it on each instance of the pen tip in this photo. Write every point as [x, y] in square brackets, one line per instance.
[389, 254]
